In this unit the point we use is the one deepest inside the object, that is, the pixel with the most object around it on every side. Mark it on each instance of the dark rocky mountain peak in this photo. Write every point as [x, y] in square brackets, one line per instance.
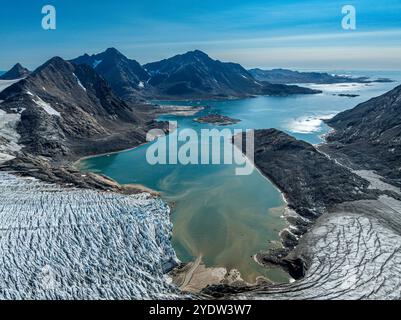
[16, 72]
[187, 57]
[113, 52]
[195, 54]
[195, 75]
[126, 77]
[55, 65]
[180, 60]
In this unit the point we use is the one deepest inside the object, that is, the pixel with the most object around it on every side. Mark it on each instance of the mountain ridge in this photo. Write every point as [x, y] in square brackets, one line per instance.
[64, 106]
[189, 75]
[126, 76]
[194, 73]
[16, 72]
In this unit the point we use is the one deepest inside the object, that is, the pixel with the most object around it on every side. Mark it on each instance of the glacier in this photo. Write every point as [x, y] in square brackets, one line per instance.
[68, 243]
[355, 256]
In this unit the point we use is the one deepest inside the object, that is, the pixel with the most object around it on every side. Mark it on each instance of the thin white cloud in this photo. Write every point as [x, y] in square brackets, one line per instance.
[364, 57]
[355, 35]
[343, 50]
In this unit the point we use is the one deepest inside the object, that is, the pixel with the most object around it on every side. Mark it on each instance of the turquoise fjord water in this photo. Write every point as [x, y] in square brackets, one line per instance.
[223, 217]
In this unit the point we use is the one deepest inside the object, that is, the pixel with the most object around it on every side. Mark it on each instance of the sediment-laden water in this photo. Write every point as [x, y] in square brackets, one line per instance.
[224, 217]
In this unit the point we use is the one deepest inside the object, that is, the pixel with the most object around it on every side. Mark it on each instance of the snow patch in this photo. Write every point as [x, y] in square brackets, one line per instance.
[47, 107]
[79, 82]
[96, 63]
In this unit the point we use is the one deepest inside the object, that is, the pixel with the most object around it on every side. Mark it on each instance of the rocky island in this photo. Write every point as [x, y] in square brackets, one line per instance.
[184, 111]
[348, 95]
[217, 119]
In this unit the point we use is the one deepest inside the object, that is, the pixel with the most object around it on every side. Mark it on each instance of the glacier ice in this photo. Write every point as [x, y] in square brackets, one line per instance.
[355, 252]
[69, 243]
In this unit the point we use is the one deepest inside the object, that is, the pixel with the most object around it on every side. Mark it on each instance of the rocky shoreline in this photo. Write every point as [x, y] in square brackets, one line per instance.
[311, 184]
[345, 227]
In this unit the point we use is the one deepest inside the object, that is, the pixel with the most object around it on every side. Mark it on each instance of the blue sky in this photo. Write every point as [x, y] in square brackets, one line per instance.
[255, 33]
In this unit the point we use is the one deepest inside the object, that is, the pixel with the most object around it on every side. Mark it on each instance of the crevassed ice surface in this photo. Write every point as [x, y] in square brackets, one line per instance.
[58, 243]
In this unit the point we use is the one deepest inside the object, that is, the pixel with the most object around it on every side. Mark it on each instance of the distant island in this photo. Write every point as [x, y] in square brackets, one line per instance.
[217, 119]
[285, 76]
[347, 95]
